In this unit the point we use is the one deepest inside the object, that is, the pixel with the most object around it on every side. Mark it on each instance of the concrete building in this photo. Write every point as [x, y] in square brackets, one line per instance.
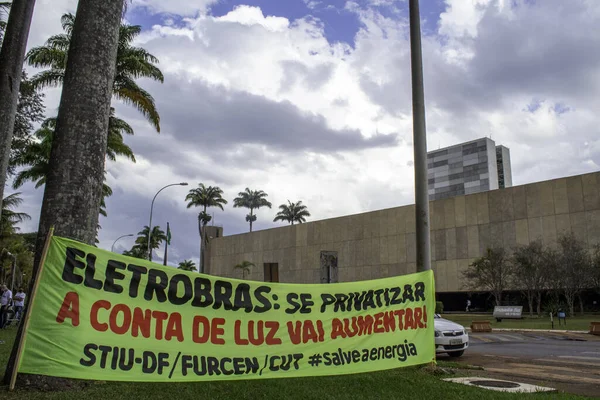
[468, 168]
[381, 243]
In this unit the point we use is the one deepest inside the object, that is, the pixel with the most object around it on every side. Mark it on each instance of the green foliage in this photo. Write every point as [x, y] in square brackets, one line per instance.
[491, 273]
[34, 159]
[17, 245]
[573, 269]
[595, 268]
[292, 212]
[205, 197]
[9, 217]
[30, 111]
[529, 272]
[245, 267]
[251, 199]
[187, 265]
[14, 243]
[439, 307]
[137, 251]
[140, 249]
[132, 63]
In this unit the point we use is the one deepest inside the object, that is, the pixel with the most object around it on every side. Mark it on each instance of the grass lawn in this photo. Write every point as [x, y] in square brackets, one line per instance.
[577, 323]
[406, 383]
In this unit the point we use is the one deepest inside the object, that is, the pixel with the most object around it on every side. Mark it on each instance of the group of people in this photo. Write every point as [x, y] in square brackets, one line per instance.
[7, 300]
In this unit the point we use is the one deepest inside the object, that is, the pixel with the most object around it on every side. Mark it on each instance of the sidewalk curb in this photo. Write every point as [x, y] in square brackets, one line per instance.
[532, 330]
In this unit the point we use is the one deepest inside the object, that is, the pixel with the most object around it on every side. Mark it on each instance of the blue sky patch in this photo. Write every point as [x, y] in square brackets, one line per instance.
[339, 22]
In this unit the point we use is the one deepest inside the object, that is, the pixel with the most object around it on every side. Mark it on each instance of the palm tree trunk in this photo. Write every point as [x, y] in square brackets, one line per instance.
[74, 183]
[202, 225]
[11, 68]
[251, 215]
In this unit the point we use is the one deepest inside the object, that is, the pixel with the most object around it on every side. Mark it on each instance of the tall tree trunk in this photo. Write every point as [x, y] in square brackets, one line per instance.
[580, 298]
[498, 297]
[251, 215]
[571, 303]
[74, 183]
[530, 301]
[11, 68]
[202, 241]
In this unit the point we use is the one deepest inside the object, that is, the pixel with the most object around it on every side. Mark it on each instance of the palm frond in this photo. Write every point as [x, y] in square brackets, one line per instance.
[36, 173]
[68, 22]
[292, 212]
[13, 200]
[127, 33]
[47, 57]
[129, 92]
[49, 78]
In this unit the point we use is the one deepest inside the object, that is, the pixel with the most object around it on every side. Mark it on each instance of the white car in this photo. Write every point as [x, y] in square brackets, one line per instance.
[450, 337]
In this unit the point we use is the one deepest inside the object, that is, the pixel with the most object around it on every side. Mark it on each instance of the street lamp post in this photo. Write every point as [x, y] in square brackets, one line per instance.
[419, 141]
[152, 207]
[120, 237]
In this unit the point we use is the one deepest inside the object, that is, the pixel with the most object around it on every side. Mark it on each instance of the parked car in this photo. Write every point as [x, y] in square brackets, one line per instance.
[450, 337]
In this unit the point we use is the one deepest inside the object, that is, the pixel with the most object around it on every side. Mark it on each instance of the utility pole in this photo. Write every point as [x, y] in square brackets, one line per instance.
[419, 141]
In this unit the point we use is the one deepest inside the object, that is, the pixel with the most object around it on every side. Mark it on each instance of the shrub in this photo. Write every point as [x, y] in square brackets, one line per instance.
[439, 307]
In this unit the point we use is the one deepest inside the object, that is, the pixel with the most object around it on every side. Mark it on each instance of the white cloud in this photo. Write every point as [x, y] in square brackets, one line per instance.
[247, 15]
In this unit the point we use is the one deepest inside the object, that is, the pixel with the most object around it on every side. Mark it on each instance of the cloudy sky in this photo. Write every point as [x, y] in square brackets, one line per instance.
[310, 100]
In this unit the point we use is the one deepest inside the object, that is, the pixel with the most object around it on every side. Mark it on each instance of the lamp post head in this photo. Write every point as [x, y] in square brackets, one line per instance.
[183, 184]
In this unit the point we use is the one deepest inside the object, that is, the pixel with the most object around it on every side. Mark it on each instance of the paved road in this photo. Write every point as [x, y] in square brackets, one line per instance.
[569, 362]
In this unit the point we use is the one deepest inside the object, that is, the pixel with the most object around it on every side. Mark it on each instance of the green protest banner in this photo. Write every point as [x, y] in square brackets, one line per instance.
[102, 316]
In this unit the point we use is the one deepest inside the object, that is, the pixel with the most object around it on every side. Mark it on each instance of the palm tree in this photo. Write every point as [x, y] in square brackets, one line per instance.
[137, 252]
[187, 265]
[252, 199]
[158, 236]
[131, 63]
[10, 218]
[203, 196]
[292, 212]
[37, 154]
[245, 266]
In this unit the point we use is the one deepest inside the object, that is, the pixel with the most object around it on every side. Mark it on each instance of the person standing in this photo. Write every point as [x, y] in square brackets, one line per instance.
[468, 305]
[19, 303]
[5, 300]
